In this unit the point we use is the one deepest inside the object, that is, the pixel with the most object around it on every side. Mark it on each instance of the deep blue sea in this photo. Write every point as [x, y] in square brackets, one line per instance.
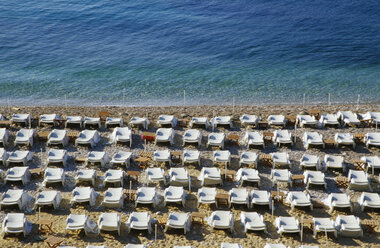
[147, 52]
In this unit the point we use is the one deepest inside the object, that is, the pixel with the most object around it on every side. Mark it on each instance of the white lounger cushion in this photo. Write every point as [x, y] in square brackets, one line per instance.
[248, 158]
[308, 160]
[216, 139]
[329, 119]
[324, 224]
[48, 118]
[48, 198]
[155, 174]
[79, 222]
[25, 137]
[261, 197]
[54, 175]
[167, 120]
[139, 221]
[146, 195]
[23, 118]
[57, 156]
[246, 119]
[121, 135]
[298, 199]
[91, 137]
[86, 175]
[84, 194]
[192, 136]
[252, 221]
[254, 139]
[191, 156]
[280, 158]
[348, 117]
[17, 197]
[247, 174]
[199, 121]
[114, 121]
[221, 120]
[4, 136]
[282, 137]
[92, 121]
[98, 157]
[349, 225]
[372, 161]
[121, 157]
[210, 175]
[303, 120]
[372, 139]
[140, 121]
[114, 176]
[174, 194]
[222, 156]
[134, 246]
[3, 155]
[161, 156]
[74, 120]
[287, 225]
[179, 175]
[19, 156]
[277, 120]
[114, 197]
[206, 195]
[344, 139]
[314, 177]
[274, 246]
[375, 116]
[165, 135]
[334, 162]
[358, 178]
[239, 196]
[109, 222]
[16, 223]
[230, 245]
[281, 175]
[369, 200]
[221, 220]
[178, 220]
[312, 138]
[339, 200]
[18, 174]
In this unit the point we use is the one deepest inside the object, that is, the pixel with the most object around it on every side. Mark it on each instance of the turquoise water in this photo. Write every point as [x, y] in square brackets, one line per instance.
[260, 52]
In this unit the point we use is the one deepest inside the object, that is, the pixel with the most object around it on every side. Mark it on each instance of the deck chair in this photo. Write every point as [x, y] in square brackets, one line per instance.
[114, 121]
[121, 135]
[139, 221]
[248, 158]
[277, 120]
[88, 137]
[375, 116]
[191, 156]
[267, 245]
[310, 161]
[306, 120]
[3, 156]
[210, 176]
[109, 222]
[192, 136]
[247, 175]
[155, 175]
[17, 197]
[85, 175]
[369, 200]
[54, 175]
[92, 121]
[19, 157]
[280, 158]
[312, 139]
[15, 223]
[222, 157]
[216, 139]
[57, 156]
[358, 180]
[249, 120]
[16, 174]
[348, 118]
[281, 176]
[114, 176]
[314, 178]
[338, 200]
[165, 120]
[175, 194]
[25, 137]
[165, 135]
[48, 198]
[252, 221]
[261, 197]
[299, 199]
[77, 222]
[179, 176]
[199, 121]
[349, 226]
[221, 220]
[4, 136]
[329, 119]
[113, 197]
[253, 139]
[121, 158]
[221, 120]
[206, 195]
[139, 121]
[238, 196]
[162, 156]
[372, 139]
[178, 220]
[84, 194]
[230, 245]
[98, 157]
[324, 225]
[282, 137]
[135, 246]
[146, 195]
[48, 119]
[344, 139]
[74, 120]
[96, 246]
[21, 118]
[373, 162]
[287, 225]
[334, 162]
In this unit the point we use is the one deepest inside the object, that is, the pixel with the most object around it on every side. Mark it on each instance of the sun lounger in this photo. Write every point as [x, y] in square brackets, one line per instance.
[344, 139]
[160, 156]
[76, 222]
[252, 221]
[165, 135]
[113, 197]
[164, 120]
[199, 121]
[238, 196]
[261, 197]
[57, 156]
[114, 176]
[312, 138]
[314, 178]
[175, 194]
[281, 176]
[375, 116]
[324, 225]
[349, 226]
[96, 246]
[92, 121]
[3, 156]
[15, 223]
[373, 162]
[247, 175]
[19, 157]
[109, 222]
[247, 120]
[84, 194]
[221, 120]
[230, 245]
[282, 137]
[254, 139]
[299, 199]
[47, 198]
[277, 120]
[135, 246]
[267, 245]
[86, 175]
[54, 175]
[25, 137]
[17, 197]
[369, 200]
[348, 118]
[146, 195]
[222, 157]
[48, 119]
[122, 158]
[121, 135]
[21, 118]
[372, 139]
[74, 120]
[16, 174]
[137, 121]
[287, 225]
[206, 195]
[88, 137]
[210, 176]
[192, 136]
[98, 157]
[4, 136]
[280, 158]
[114, 121]
[329, 119]
[248, 158]
[191, 156]
[310, 161]
[306, 120]
[358, 180]
[221, 220]
[216, 139]
[338, 200]
[178, 176]
[178, 220]
[155, 175]
[334, 162]
[139, 221]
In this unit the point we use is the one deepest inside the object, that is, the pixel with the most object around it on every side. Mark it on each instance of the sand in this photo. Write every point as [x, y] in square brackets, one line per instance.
[200, 235]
